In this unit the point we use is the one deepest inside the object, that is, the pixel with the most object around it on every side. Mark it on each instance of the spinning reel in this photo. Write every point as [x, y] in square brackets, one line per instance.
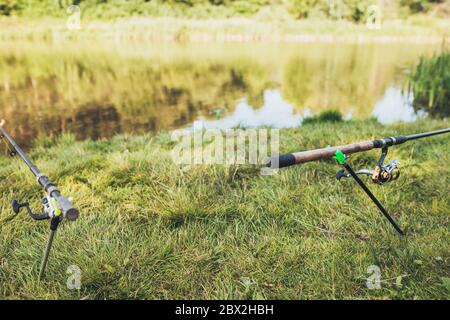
[381, 174]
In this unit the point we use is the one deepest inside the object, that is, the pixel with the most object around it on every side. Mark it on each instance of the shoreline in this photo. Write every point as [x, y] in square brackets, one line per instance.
[226, 31]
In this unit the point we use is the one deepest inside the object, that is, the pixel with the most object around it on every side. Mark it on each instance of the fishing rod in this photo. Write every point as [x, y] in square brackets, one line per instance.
[55, 206]
[381, 174]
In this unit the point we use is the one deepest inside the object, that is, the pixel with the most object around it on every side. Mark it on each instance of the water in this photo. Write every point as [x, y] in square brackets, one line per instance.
[99, 90]
[395, 105]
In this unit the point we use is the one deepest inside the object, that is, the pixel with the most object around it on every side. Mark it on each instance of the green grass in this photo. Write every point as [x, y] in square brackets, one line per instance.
[417, 29]
[230, 20]
[430, 84]
[295, 9]
[149, 230]
[324, 116]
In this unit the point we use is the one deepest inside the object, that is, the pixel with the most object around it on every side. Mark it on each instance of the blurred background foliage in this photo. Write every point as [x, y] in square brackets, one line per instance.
[351, 10]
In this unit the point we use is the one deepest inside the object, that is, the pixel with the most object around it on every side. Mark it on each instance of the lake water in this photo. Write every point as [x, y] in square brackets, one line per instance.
[96, 90]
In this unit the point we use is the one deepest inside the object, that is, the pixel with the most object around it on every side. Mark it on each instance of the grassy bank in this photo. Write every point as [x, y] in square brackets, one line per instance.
[350, 10]
[150, 230]
[413, 29]
[229, 20]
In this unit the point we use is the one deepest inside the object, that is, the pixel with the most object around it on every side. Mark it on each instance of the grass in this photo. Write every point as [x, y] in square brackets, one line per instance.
[430, 84]
[324, 116]
[200, 9]
[417, 29]
[149, 230]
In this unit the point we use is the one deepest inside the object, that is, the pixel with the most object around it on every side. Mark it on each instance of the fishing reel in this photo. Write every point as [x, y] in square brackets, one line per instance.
[381, 174]
[387, 173]
[50, 210]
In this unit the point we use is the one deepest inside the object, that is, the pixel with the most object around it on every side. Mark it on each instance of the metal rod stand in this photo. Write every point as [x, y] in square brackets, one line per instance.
[372, 197]
[53, 227]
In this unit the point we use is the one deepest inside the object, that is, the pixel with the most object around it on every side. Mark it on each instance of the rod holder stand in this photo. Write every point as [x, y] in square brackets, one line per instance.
[340, 157]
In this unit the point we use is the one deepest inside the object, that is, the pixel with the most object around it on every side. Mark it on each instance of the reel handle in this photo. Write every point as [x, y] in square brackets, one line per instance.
[16, 206]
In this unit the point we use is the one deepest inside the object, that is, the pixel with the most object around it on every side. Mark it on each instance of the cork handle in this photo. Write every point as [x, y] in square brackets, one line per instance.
[319, 154]
[289, 159]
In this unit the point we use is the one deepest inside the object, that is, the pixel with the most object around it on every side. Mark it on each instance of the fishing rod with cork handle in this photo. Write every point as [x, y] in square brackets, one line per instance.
[381, 174]
[55, 206]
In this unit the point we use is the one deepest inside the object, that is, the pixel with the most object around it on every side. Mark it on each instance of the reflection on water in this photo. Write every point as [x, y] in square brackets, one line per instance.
[395, 105]
[99, 91]
[275, 112]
